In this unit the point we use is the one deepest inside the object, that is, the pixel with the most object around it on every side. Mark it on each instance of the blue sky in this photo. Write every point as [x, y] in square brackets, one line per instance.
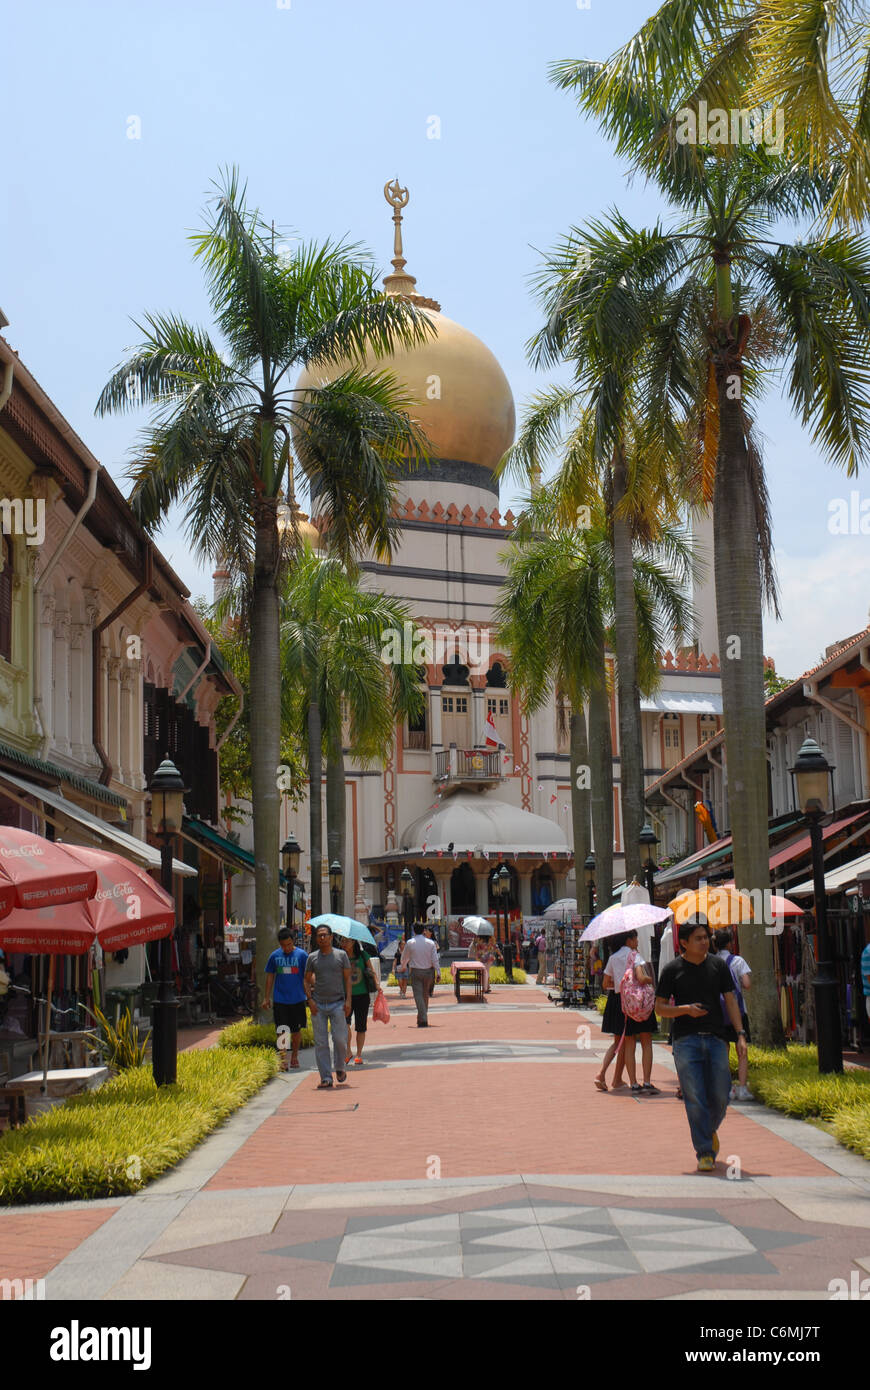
[320, 102]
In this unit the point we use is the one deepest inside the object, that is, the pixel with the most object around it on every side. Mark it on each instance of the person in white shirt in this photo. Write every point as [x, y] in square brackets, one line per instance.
[742, 977]
[616, 1023]
[421, 956]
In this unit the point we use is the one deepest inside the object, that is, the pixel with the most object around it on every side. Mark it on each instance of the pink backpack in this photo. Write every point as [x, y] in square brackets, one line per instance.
[637, 1000]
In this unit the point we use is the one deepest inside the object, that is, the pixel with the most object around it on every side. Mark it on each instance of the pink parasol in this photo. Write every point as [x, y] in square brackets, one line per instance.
[617, 919]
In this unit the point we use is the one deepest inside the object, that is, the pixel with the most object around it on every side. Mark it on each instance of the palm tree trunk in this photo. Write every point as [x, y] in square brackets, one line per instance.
[265, 723]
[601, 764]
[315, 809]
[628, 695]
[739, 611]
[336, 819]
[580, 799]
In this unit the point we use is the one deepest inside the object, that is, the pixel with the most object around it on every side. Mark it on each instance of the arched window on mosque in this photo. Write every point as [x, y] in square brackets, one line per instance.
[456, 705]
[6, 601]
[415, 733]
[498, 702]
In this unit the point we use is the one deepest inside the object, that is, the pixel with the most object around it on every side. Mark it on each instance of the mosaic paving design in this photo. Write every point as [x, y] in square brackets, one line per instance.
[541, 1245]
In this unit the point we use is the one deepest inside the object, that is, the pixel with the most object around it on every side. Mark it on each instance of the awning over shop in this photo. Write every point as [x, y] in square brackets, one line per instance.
[119, 840]
[711, 854]
[218, 846]
[836, 880]
[802, 846]
[682, 702]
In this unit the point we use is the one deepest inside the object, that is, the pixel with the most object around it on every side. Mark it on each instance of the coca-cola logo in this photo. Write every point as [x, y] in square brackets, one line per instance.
[119, 890]
[23, 852]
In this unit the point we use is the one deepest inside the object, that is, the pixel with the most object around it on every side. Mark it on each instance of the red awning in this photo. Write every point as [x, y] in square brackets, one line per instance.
[802, 846]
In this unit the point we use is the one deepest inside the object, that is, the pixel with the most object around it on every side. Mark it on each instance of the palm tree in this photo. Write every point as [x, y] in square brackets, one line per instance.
[557, 615]
[805, 58]
[727, 301]
[222, 437]
[638, 478]
[333, 638]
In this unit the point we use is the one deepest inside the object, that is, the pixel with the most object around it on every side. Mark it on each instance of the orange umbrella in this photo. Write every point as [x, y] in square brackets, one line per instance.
[722, 906]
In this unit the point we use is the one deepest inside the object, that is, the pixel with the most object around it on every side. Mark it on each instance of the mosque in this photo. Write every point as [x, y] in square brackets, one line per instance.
[475, 780]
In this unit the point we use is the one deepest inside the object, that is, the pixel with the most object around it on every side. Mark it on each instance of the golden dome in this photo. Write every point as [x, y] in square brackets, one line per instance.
[460, 396]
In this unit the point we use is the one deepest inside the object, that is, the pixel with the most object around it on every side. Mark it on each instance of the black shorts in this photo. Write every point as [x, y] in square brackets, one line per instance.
[292, 1016]
[360, 1004]
[731, 1033]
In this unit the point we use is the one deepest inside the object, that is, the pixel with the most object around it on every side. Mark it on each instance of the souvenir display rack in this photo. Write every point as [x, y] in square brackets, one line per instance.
[570, 962]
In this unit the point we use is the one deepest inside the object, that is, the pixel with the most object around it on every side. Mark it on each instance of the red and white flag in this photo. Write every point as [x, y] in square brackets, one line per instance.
[493, 737]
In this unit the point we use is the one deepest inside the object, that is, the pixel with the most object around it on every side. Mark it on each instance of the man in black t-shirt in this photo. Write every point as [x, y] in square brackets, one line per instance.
[695, 981]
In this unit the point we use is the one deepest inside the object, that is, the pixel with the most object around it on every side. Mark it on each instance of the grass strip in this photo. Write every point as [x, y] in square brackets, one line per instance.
[788, 1080]
[247, 1033]
[497, 976]
[115, 1140]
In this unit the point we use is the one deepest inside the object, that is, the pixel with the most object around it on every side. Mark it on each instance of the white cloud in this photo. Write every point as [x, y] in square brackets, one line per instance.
[823, 599]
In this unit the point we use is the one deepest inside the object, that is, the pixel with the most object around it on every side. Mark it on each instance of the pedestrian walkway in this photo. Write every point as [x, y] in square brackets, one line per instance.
[475, 1161]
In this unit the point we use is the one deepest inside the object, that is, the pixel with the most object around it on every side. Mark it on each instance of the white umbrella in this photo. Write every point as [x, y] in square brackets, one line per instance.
[478, 926]
[565, 907]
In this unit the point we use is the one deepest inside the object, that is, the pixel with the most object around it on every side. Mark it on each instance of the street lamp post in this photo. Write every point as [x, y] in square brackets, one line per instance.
[336, 883]
[290, 852]
[504, 881]
[406, 878]
[589, 875]
[648, 842]
[813, 787]
[167, 808]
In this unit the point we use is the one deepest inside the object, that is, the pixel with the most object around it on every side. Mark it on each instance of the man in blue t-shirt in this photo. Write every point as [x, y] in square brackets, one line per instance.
[285, 968]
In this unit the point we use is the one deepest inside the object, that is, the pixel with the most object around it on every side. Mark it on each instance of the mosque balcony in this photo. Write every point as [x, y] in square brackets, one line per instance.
[455, 768]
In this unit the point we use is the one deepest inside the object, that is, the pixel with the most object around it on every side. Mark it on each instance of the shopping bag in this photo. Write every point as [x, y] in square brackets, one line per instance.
[381, 1009]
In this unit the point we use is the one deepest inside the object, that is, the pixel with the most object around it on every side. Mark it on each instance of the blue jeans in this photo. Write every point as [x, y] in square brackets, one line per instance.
[705, 1080]
[320, 1023]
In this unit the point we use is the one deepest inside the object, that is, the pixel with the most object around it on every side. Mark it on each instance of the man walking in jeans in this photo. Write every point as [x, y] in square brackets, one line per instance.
[327, 985]
[695, 982]
[421, 955]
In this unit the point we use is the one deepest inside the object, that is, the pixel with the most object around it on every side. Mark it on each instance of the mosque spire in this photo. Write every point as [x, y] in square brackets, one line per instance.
[400, 283]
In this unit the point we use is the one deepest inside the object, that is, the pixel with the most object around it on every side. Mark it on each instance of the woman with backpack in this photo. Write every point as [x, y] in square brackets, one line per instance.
[742, 977]
[625, 1029]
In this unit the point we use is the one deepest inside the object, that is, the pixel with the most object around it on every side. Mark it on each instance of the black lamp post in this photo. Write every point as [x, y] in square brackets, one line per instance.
[813, 789]
[589, 876]
[648, 842]
[406, 878]
[503, 877]
[290, 852]
[167, 808]
[336, 883]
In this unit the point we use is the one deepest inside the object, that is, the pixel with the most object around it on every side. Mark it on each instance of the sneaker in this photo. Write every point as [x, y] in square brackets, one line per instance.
[706, 1163]
[715, 1143]
[357, 1061]
[744, 1093]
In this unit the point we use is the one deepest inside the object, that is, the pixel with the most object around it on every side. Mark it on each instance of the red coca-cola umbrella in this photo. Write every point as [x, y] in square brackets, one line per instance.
[127, 908]
[35, 872]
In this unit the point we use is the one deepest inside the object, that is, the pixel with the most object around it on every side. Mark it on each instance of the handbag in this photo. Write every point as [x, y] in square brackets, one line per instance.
[381, 1010]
